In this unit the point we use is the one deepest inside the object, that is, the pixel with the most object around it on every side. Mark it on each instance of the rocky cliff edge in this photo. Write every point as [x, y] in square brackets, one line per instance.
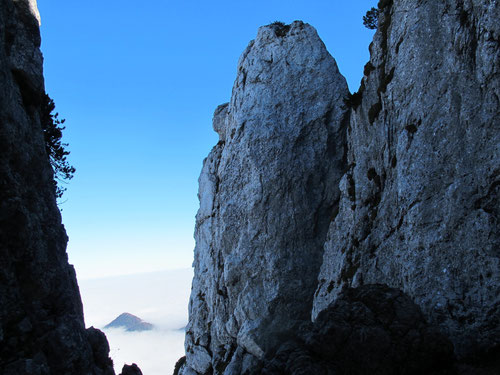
[41, 318]
[313, 195]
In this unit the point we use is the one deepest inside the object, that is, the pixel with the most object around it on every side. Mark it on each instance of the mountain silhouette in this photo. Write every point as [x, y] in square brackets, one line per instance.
[130, 322]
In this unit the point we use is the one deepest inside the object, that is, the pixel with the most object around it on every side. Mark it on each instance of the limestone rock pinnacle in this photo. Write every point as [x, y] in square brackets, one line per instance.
[266, 194]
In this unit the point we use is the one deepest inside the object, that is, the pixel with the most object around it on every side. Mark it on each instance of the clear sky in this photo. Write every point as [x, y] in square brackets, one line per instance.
[137, 83]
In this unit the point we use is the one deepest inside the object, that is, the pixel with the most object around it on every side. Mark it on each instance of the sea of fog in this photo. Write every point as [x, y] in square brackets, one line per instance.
[160, 298]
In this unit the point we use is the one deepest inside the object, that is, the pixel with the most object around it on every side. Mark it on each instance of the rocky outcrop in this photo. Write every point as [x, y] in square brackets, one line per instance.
[132, 369]
[41, 319]
[368, 330]
[100, 350]
[267, 191]
[419, 205]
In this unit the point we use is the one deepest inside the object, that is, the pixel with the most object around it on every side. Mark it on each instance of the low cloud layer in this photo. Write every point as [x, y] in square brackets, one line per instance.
[155, 351]
[160, 298]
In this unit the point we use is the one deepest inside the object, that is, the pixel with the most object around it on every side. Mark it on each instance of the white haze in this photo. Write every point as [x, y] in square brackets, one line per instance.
[160, 298]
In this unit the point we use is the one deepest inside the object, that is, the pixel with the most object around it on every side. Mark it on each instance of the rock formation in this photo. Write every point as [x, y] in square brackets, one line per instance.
[41, 319]
[267, 191]
[132, 369]
[301, 198]
[372, 329]
[419, 206]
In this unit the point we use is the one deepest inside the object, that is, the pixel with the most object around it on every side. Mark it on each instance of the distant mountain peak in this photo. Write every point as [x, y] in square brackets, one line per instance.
[130, 323]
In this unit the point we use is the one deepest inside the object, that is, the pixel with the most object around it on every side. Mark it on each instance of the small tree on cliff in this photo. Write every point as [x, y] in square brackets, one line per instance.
[370, 20]
[56, 150]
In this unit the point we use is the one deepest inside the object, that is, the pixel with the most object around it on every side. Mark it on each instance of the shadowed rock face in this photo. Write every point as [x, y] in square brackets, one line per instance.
[132, 369]
[266, 193]
[419, 204]
[369, 330]
[41, 320]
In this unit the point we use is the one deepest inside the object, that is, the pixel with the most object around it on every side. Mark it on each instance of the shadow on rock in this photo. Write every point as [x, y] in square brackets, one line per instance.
[372, 330]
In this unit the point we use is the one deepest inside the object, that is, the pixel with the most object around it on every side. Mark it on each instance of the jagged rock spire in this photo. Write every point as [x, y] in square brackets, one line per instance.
[267, 191]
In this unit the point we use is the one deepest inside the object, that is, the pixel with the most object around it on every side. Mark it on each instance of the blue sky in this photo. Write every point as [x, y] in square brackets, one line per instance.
[137, 85]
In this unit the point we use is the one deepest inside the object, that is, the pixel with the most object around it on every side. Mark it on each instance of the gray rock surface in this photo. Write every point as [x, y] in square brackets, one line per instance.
[419, 205]
[267, 191]
[41, 319]
[419, 185]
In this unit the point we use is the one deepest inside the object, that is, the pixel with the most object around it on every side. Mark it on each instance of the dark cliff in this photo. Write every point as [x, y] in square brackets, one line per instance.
[41, 319]
[398, 184]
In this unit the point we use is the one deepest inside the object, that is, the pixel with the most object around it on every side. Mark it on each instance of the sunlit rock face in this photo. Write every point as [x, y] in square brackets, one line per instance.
[419, 205]
[267, 192]
[33, 7]
[41, 319]
[418, 209]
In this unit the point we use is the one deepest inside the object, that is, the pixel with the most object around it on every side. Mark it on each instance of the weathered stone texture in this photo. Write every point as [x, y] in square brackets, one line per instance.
[418, 209]
[266, 193]
[419, 203]
[370, 330]
[41, 318]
